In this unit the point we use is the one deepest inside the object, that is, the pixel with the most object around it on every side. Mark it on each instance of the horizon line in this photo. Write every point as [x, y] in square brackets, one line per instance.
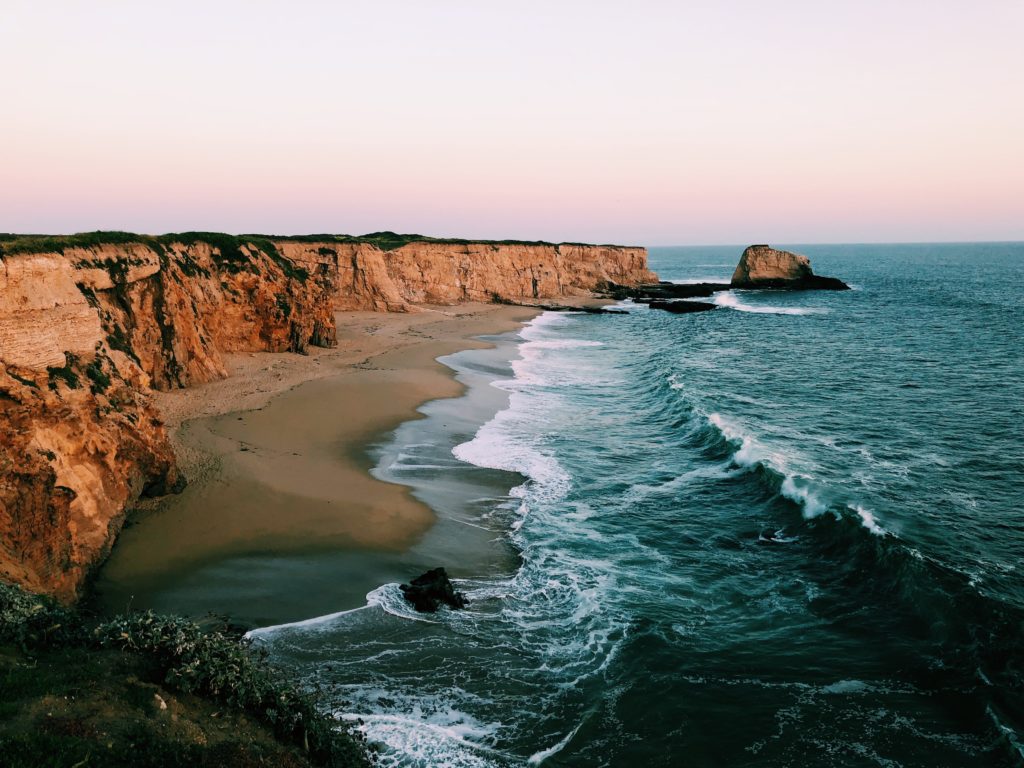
[526, 240]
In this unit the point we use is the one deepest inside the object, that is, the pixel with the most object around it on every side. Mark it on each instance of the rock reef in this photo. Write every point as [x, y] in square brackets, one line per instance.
[90, 324]
[681, 307]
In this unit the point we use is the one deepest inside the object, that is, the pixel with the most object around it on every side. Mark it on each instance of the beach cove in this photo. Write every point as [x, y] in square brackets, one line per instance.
[279, 467]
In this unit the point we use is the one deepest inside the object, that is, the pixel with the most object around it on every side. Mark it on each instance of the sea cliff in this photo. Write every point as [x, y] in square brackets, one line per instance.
[387, 276]
[90, 324]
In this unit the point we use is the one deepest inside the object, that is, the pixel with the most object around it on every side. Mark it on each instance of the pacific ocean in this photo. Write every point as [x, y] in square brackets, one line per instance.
[784, 532]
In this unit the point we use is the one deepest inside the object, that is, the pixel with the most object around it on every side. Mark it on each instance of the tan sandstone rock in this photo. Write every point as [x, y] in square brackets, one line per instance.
[760, 263]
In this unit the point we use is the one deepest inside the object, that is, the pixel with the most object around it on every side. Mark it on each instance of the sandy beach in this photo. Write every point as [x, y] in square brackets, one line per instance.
[276, 454]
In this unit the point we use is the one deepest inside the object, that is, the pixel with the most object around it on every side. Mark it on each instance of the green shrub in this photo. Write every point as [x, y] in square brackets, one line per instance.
[230, 255]
[44, 750]
[210, 664]
[99, 378]
[221, 667]
[65, 373]
[117, 340]
[58, 243]
[32, 621]
[227, 249]
[117, 269]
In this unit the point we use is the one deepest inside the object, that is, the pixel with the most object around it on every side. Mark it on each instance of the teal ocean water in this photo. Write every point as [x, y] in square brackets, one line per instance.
[785, 532]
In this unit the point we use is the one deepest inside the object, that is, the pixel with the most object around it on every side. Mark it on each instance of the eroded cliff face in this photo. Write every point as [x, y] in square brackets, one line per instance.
[80, 444]
[447, 274]
[362, 277]
[88, 328]
[450, 273]
[177, 307]
[84, 334]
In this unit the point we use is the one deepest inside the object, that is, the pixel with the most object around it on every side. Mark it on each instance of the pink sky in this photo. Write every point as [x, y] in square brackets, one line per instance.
[641, 122]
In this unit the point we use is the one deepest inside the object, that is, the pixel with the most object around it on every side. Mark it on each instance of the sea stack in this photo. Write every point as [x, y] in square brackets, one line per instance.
[762, 266]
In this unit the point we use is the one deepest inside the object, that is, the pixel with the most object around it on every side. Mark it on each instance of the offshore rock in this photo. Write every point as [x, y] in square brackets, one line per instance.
[645, 292]
[764, 267]
[430, 591]
[681, 307]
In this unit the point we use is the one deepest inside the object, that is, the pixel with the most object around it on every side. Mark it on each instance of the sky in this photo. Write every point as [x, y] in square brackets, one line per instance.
[640, 122]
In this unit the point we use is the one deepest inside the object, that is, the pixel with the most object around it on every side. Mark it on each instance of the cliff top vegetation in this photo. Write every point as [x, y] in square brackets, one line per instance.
[149, 690]
[11, 244]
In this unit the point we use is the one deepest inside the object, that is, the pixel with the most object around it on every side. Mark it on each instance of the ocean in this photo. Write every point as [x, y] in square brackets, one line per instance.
[785, 532]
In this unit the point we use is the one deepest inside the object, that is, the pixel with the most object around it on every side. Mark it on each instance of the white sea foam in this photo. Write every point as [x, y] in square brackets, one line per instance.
[387, 597]
[732, 301]
[563, 344]
[778, 537]
[539, 757]
[799, 488]
[796, 486]
[496, 444]
[494, 448]
[536, 328]
[749, 452]
[847, 686]
[443, 736]
[317, 622]
[869, 521]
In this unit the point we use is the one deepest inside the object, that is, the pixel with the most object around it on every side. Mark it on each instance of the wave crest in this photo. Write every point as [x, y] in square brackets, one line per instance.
[730, 300]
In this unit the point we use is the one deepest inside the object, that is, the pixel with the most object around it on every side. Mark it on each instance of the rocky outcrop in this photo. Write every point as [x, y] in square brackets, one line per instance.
[430, 591]
[764, 267]
[86, 329]
[79, 443]
[89, 324]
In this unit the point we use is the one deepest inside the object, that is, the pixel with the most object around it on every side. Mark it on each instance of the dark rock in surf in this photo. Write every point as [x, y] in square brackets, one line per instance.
[764, 267]
[663, 290]
[585, 309]
[430, 591]
[684, 290]
[681, 307]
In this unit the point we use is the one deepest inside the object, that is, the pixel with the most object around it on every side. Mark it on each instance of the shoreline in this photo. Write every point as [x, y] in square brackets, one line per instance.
[278, 456]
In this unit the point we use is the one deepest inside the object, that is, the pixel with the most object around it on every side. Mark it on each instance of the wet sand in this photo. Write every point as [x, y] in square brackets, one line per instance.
[276, 454]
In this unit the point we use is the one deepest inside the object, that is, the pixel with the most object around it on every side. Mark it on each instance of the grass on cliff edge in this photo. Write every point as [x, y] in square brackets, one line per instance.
[228, 253]
[11, 244]
[152, 691]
